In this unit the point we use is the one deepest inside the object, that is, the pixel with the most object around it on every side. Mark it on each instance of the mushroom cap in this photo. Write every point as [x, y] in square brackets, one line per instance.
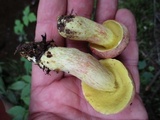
[119, 42]
[107, 102]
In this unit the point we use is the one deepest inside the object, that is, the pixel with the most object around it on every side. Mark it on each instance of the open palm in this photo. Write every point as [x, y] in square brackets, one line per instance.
[59, 95]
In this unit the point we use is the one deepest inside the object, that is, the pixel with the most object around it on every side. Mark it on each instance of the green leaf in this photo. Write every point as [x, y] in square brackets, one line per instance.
[26, 78]
[26, 10]
[32, 17]
[11, 97]
[17, 112]
[17, 85]
[25, 94]
[25, 20]
[151, 68]
[26, 100]
[2, 86]
[146, 77]
[26, 91]
[142, 64]
[26, 116]
[17, 22]
[19, 29]
[16, 30]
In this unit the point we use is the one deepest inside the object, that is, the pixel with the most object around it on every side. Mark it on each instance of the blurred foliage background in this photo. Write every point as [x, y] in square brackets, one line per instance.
[147, 14]
[18, 25]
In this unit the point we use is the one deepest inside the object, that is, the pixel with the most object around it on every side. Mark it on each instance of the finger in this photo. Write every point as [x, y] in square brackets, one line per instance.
[80, 8]
[130, 55]
[48, 11]
[106, 9]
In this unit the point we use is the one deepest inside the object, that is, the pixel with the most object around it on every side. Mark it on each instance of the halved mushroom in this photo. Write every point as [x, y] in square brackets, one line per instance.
[107, 40]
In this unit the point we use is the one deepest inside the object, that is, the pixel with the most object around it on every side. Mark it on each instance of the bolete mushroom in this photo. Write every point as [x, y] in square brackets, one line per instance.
[110, 102]
[107, 40]
[106, 84]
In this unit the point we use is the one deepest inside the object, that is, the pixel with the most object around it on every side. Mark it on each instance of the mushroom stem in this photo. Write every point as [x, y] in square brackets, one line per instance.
[70, 60]
[106, 40]
[79, 64]
[81, 28]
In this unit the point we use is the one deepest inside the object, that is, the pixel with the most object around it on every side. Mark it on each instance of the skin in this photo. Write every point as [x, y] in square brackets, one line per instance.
[58, 95]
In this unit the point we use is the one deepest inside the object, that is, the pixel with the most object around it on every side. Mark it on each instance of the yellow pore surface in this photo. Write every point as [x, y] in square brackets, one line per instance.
[111, 102]
[114, 39]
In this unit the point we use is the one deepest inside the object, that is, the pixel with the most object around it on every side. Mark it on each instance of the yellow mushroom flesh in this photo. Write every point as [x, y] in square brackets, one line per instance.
[121, 40]
[111, 102]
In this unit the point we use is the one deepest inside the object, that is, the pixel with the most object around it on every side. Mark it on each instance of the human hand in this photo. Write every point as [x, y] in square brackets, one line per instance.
[59, 96]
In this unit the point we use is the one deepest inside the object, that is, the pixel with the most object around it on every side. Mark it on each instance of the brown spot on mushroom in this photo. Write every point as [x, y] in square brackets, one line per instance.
[68, 31]
[57, 70]
[62, 20]
[49, 55]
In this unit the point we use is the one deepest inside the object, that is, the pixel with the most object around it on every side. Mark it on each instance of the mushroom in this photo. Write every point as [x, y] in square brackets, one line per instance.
[106, 84]
[107, 40]
[111, 102]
